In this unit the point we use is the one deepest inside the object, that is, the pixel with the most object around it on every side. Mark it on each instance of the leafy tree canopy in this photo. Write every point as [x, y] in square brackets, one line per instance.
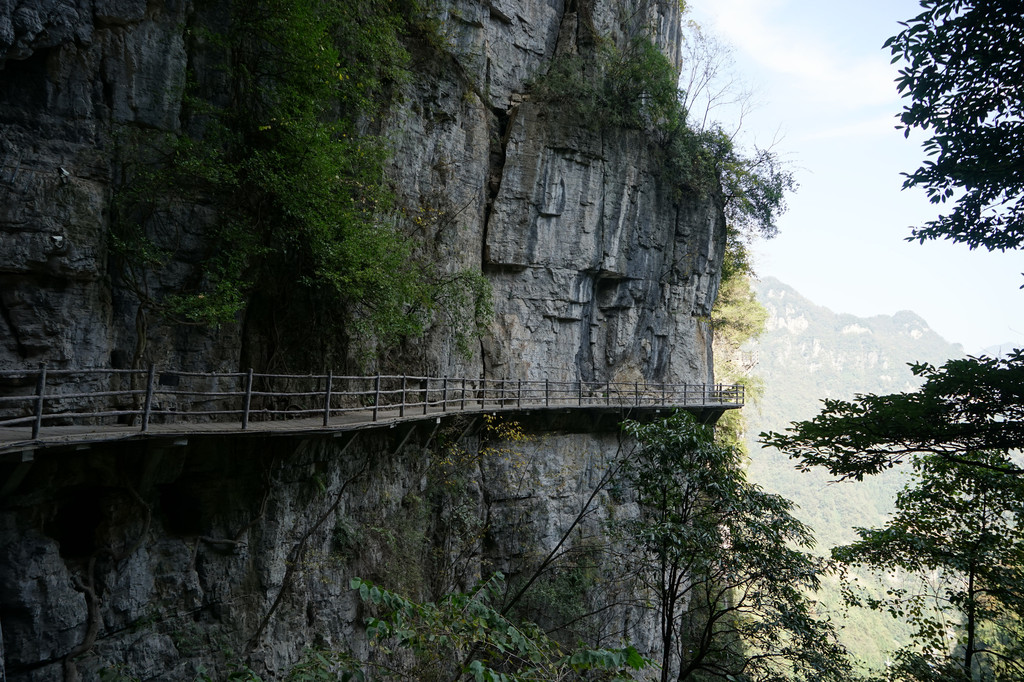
[964, 406]
[963, 77]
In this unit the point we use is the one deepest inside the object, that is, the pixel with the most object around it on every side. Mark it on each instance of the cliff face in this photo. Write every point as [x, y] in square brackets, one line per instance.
[161, 558]
[599, 270]
[74, 75]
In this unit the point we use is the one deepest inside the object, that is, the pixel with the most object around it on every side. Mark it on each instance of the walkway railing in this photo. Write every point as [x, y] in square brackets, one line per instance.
[139, 398]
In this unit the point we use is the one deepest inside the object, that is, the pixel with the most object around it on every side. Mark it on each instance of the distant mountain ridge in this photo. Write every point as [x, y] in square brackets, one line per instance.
[809, 352]
[1001, 349]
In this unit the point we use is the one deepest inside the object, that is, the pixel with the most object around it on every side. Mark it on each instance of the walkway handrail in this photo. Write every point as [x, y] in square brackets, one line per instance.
[144, 396]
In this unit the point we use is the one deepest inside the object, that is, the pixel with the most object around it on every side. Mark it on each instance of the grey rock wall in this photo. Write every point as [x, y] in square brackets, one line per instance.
[75, 78]
[161, 559]
[599, 272]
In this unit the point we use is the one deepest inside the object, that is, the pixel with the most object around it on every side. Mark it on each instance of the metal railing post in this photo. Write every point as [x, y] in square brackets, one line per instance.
[40, 389]
[426, 393]
[401, 406]
[444, 395]
[148, 406]
[483, 392]
[581, 393]
[248, 399]
[547, 393]
[636, 391]
[376, 397]
[519, 397]
[463, 406]
[327, 397]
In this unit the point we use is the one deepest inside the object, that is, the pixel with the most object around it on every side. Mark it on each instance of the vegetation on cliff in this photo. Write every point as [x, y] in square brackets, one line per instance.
[306, 242]
[286, 160]
[635, 86]
[466, 636]
[737, 318]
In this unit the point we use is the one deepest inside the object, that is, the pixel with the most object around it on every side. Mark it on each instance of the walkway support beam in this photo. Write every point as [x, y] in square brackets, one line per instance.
[247, 403]
[148, 407]
[327, 398]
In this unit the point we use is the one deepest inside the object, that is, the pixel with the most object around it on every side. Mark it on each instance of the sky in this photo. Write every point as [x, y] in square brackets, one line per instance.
[823, 93]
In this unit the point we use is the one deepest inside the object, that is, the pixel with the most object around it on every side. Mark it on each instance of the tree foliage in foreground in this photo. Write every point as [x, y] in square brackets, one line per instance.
[964, 406]
[725, 563]
[958, 530]
[963, 77]
[463, 637]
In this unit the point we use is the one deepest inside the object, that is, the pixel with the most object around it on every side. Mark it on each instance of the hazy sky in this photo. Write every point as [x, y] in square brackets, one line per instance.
[824, 86]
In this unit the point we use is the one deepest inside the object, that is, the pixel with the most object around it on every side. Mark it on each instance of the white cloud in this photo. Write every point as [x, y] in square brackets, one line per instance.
[800, 59]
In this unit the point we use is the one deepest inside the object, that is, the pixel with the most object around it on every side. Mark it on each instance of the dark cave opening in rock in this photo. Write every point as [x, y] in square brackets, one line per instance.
[182, 511]
[75, 523]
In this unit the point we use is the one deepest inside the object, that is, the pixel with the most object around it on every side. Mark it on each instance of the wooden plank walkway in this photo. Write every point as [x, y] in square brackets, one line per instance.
[41, 408]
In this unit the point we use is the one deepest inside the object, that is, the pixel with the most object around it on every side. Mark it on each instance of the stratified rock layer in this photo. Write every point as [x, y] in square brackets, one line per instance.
[600, 274]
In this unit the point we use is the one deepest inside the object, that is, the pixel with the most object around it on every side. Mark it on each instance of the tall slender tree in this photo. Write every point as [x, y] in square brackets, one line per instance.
[725, 563]
[958, 530]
